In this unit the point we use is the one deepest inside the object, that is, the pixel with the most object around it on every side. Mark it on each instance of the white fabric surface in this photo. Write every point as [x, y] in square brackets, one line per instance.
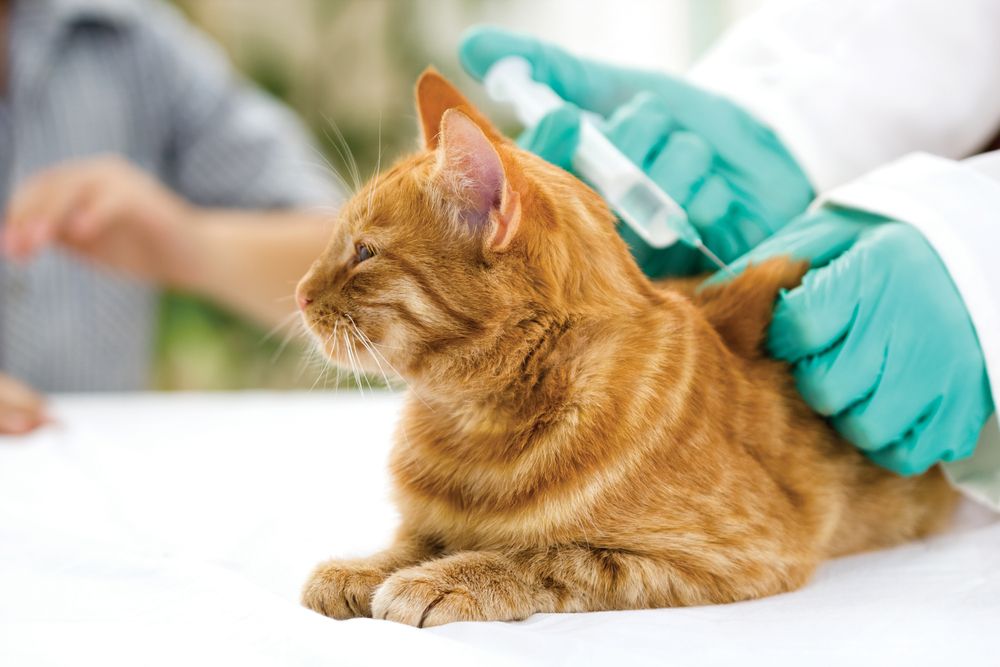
[177, 529]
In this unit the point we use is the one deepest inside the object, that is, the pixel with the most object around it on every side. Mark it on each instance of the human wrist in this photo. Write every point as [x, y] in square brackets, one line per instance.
[187, 252]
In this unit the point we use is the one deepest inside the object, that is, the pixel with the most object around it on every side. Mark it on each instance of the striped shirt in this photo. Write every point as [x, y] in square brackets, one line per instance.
[129, 77]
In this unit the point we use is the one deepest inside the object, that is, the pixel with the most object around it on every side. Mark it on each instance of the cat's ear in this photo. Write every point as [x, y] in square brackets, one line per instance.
[435, 95]
[474, 175]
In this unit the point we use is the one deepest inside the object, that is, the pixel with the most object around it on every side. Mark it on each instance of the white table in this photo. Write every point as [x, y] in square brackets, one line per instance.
[177, 528]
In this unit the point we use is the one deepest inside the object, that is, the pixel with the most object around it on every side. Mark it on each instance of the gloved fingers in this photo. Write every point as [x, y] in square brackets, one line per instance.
[555, 137]
[640, 128]
[909, 455]
[921, 447]
[835, 379]
[681, 165]
[948, 431]
[587, 84]
[711, 209]
[812, 317]
[818, 237]
[602, 88]
[883, 418]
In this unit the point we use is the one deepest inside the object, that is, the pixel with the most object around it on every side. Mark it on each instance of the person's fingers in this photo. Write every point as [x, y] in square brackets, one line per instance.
[94, 215]
[938, 435]
[21, 409]
[45, 207]
[713, 211]
[884, 417]
[19, 422]
[710, 203]
[817, 237]
[590, 85]
[835, 379]
[21, 216]
[814, 316]
[639, 129]
[17, 395]
[681, 165]
[555, 137]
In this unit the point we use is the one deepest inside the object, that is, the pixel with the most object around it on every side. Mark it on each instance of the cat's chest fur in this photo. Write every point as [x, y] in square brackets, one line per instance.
[480, 476]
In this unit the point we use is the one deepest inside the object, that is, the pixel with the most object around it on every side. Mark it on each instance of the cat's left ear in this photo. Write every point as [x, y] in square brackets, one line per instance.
[474, 175]
[435, 95]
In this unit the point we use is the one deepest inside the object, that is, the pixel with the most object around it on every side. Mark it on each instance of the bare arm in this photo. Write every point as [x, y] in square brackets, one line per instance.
[251, 261]
[113, 214]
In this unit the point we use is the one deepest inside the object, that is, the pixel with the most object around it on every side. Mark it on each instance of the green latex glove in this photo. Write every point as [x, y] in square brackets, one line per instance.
[731, 174]
[880, 338]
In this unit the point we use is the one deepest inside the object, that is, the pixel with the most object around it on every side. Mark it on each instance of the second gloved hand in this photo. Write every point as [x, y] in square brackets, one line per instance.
[731, 174]
[880, 339]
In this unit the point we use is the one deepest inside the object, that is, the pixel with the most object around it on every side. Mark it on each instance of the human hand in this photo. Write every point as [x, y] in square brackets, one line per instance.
[731, 174]
[880, 339]
[21, 409]
[106, 210]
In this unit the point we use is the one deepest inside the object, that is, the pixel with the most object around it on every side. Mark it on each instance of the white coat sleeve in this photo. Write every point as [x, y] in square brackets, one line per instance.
[849, 85]
[956, 205]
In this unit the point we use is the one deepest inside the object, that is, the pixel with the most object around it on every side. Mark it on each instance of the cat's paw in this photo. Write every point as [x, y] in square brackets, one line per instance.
[463, 587]
[414, 598]
[342, 589]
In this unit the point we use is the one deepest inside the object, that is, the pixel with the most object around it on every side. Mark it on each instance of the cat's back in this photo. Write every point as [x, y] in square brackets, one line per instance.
[861, 505]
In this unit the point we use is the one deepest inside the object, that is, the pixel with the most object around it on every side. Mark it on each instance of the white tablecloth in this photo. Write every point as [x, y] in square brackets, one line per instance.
[176, 529]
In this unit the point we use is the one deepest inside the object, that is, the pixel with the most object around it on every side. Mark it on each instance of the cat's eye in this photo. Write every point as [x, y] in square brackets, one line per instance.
[363, 252]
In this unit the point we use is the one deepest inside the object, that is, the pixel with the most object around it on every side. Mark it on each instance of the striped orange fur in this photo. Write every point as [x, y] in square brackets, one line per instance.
[576, 437]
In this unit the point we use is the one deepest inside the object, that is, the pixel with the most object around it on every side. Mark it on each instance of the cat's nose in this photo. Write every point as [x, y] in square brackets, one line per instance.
[302, 298]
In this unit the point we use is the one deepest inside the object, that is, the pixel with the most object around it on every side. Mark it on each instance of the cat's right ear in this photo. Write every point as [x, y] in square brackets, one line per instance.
[435, 95]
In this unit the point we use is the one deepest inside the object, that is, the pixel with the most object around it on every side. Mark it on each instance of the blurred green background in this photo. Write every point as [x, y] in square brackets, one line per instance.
[347, 67]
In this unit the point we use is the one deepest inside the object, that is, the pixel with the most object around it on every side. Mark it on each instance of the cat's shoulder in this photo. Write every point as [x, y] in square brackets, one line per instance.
[740, 310]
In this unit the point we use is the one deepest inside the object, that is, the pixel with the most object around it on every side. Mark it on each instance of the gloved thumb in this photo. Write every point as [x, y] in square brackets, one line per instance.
[812, 317]
[589, 85]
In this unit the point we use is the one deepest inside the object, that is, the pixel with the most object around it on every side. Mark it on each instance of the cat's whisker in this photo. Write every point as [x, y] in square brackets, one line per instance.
[344, 150]
[377, 354]
[327, 167]
[292, 332]
[354, 369]
[364, 375]
[313, 353]
[333, 353]
[325, 370]
[366, 343]
[330, 354]
[279, 326]
[378, 168]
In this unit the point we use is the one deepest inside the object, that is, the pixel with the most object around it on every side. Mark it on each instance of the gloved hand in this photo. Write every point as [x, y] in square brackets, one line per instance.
[731, 174]
[880, 338]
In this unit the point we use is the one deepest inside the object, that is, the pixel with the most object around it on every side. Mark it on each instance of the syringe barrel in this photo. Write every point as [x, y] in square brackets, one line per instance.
[651, 213]
[509, 80]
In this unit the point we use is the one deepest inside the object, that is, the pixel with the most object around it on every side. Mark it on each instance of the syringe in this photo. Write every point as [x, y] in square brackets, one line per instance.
[637, 199]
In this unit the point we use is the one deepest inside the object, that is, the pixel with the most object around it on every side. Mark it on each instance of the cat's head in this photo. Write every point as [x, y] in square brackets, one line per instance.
[446, 252]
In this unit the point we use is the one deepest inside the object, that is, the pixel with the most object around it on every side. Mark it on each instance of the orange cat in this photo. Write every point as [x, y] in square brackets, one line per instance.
[575, 438]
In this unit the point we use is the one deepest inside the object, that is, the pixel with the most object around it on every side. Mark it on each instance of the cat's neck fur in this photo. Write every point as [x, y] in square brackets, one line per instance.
[540, 360]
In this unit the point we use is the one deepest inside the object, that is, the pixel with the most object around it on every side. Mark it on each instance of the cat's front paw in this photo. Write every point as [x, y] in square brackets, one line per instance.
[463, 587]
[342, 589]
[413, 598]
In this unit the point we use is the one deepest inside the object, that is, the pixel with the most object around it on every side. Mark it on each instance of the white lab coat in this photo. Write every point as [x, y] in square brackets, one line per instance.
[879, 100]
